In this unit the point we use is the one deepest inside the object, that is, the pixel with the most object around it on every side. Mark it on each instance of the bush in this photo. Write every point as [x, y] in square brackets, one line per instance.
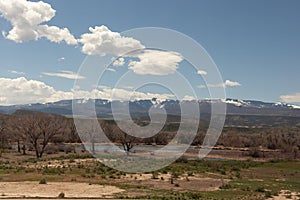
[187, 178]
[225, 186]
[112, 177]
[43, 181]
[190, 174]
[182, 160]
[260, 189]
[172, 181]
[238, 175]
[154, 175]
[51, 150]
[61, 195]
[255, 153]
[268, 194]
[175, 175]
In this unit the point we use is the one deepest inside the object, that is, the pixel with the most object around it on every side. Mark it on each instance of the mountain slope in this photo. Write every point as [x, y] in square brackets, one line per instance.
[141, 107]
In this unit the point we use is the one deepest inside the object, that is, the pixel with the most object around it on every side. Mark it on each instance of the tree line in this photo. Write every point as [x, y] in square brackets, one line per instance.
[25, 130]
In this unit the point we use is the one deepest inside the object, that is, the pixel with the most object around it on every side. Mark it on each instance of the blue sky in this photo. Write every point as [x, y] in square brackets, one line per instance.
[254, 43]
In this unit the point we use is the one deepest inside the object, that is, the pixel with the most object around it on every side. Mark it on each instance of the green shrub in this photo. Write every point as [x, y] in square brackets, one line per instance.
[172, 181]
[112, 177]
[260, 189]
[225, 186]
[61, 195]
[154, 175]
[238, 175]
[43, 181]
[175, 175]
[268, 194]
[190, 174]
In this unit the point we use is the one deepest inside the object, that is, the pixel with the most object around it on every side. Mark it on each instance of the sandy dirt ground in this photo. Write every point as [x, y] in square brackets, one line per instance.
[186, 183]
[60, 163]
[53, 189]
[286, 194]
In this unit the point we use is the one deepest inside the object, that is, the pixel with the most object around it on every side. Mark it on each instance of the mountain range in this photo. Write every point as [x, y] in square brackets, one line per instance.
[243, 113]
[103, 107]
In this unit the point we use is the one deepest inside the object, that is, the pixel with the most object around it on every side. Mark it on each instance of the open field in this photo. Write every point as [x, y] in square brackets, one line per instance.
[81, 176]
[53, 189]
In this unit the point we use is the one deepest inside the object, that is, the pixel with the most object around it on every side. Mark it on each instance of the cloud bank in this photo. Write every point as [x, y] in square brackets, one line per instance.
[30, 91]
[33, 91]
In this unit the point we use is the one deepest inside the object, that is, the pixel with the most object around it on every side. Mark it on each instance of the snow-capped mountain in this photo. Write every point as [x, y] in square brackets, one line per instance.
[141, 107]
[260, 104]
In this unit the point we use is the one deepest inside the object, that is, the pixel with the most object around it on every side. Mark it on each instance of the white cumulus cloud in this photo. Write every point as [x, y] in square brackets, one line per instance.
[201, 72]
[188, 98]
[102, 41]
[64, 74]
[28, 20]
[128, 87]
[291, 98]
[227, 83]
[110, 69]
[212, 85]
[16, 72]
[232, 83]
[61, 59]
[118, 62]
[155, 62]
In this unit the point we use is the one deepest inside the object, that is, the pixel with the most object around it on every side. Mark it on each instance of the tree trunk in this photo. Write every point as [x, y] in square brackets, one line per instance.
[36, 148]
[41, 154]
[37, 153]
[19, 147]
[93, 147]
[43, 149]
[24, 149]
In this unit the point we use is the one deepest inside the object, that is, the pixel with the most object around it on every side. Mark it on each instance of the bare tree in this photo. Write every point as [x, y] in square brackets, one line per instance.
[90, 132]
[3, 136]
[18, 132]
[73, 135]
[127, 141]
[38, 129]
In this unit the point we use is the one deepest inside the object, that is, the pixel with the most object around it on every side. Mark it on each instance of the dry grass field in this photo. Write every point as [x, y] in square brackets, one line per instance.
[78, 175]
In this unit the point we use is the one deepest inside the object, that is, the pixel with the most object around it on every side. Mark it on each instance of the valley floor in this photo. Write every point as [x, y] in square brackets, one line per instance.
[78, 175]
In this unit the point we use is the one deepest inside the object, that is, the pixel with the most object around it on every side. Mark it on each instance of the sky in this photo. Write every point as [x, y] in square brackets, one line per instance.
[254, 44]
